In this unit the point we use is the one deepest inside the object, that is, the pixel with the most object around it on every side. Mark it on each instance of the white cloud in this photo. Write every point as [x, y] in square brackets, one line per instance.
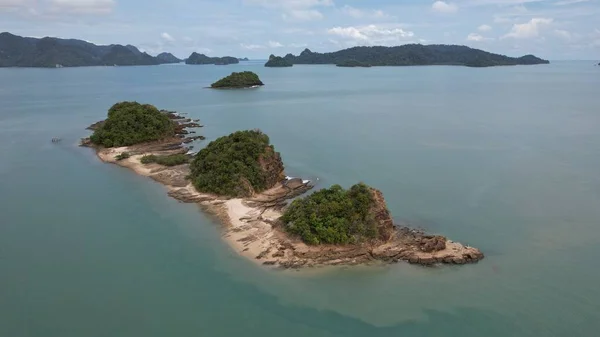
[302, 15]
[484, 28]
[569, 2]
[444, 7]
[477, 37]
[251, 46]
[529, 29]
[361, 14]
[297, 45]
[295, 10]
[372, 35]
[167, 37]
[275, 44]
[83, 6]
[563, 34]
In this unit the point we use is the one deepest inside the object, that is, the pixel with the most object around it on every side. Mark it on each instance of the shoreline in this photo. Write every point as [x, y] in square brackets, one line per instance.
[251, 229]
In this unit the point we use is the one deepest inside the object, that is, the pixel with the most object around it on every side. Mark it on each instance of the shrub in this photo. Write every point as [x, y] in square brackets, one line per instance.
[333, 216]
[123, 155]
[169, 160]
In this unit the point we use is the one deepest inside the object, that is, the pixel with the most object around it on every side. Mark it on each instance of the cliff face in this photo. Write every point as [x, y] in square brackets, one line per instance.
[382, 215]
[272, 166]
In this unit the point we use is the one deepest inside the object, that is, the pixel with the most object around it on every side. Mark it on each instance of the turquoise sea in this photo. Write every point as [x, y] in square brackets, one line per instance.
[506, 159]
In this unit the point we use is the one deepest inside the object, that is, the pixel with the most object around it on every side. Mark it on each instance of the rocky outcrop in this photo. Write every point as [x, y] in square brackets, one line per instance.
[272, 165]
[382, 215]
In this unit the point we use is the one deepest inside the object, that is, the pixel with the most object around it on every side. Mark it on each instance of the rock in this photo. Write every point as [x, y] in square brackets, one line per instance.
[430, 244]
[269, 263]
[458, 260]
[427, 261]
[280, 253]
[413, 259]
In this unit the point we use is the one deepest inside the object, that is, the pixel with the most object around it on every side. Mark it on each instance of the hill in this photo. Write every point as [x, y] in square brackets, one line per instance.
[277, 62]
[130, 123]
[49, 52]
[244, 79]
[414, 54]
[196, 58]
[238, 165]
[165, 58]
[338, 216]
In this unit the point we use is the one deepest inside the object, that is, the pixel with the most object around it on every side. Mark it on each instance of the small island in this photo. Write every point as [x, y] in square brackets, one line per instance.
[240, 179]
[352, 64]
[244, 79]
[196, 58]
[277, 62]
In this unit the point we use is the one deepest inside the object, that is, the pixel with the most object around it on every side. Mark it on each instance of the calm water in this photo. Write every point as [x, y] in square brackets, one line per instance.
[505, 159]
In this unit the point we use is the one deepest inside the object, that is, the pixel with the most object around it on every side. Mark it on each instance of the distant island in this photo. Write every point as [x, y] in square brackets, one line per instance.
[167, 58]
[243, 59]
[277, 62]
[196, 58]
[240, 179]
[414, 54]
[352, 64]
[51, 52]
[244, 79]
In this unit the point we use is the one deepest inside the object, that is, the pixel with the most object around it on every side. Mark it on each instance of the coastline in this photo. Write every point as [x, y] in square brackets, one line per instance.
[251, 228]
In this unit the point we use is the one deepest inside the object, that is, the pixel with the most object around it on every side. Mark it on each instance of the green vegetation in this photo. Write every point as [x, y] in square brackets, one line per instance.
[413, 54]
[231, 165]
[131, 123]
[243, 79]
[18, 51]
[196, 58]
[277, 62]
[333, 216]
[168, 160]
[122, 156]
[353, 63]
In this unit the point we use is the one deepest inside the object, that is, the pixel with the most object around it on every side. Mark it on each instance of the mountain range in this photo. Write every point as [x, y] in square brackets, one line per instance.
[18, 51]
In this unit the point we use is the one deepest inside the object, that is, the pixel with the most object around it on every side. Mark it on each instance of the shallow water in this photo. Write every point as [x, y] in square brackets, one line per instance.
[504, 159]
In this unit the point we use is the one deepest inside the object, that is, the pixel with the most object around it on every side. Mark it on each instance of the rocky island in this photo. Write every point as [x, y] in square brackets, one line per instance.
[277, 62]
[240, 179]
[353, 63]
[241, 80]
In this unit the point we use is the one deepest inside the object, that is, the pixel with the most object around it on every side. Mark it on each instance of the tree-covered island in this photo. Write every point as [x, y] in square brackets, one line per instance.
[244, 79]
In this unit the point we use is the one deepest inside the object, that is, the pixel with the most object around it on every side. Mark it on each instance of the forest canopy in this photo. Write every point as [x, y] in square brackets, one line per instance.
[333, 216]
[131, 123]
[231, 165]
[244, 79]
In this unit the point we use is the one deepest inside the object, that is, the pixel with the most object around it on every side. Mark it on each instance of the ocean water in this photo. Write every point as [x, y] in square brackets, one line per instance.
[505, 159]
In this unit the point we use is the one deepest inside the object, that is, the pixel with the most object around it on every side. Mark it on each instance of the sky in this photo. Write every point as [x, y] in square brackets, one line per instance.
[551, 29]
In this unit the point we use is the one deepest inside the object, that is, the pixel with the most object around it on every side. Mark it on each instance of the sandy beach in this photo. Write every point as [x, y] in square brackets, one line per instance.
[251, 227]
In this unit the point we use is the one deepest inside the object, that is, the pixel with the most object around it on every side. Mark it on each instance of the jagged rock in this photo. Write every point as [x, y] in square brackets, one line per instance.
[432, 243]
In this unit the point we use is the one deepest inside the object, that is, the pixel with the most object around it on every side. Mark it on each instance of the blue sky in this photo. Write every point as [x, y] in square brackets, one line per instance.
[554, 29]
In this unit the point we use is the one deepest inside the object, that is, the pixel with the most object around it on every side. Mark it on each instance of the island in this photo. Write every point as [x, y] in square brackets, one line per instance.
[277, 62]
[51, 52]
[414, 54]
[352, 64]
[166, 58]
[196, 58]
[240, 179]
[244, 79]
[243, 59]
